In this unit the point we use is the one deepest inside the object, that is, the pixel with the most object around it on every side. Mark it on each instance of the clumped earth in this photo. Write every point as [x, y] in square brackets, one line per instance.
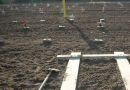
[24, 59]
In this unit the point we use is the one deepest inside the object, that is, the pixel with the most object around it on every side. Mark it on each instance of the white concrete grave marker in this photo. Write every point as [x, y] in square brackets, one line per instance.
[101, 23]
[41, 10]
[3, 12]
[61, 26]
[71, 18]
[71, 74]
[57, 6]
[98, 40]
[124, 67]
[68, 8]
[48, 5]
[42, 20]
[34, 5]
[82, 9]
[47, 41]
[15, 21]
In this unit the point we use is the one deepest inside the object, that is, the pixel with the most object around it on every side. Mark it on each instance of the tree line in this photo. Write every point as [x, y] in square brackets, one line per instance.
[36, 1]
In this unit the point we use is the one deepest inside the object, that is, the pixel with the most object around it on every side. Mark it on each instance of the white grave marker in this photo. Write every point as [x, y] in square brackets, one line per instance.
[48, 5]
[124, 68]
[71, 74]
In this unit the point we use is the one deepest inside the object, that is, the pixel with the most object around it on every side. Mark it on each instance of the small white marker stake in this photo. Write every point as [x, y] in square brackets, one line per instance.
[34, 5]
[14, 21]
[48, 5]
[3, 12]
[98, 41]
[61, 26]
[42, 20]
[71, 18]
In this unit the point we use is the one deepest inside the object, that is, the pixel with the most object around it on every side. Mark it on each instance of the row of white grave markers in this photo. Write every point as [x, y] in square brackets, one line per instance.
[71, 74]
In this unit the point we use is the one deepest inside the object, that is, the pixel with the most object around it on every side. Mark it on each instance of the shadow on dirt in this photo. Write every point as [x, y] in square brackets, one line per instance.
[91, 44]
[2, 43]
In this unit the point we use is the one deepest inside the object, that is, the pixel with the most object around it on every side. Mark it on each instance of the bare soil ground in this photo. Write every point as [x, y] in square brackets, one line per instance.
[24, 59]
